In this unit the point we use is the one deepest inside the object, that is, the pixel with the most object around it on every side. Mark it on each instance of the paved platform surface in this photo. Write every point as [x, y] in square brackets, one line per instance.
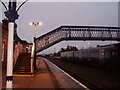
[47, 75]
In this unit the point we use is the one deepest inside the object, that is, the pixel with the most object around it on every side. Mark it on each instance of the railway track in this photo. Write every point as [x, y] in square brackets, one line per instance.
[86, 81]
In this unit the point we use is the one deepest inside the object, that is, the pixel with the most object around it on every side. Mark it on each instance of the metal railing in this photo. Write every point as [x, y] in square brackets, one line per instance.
[77, 33]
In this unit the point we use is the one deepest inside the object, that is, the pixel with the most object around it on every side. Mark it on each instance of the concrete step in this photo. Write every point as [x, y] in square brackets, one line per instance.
[21, 71]
[19, 66]
[23, 64]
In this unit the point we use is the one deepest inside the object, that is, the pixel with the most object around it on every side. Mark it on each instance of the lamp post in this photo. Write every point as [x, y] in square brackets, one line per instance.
[34, 43]
[12, 14]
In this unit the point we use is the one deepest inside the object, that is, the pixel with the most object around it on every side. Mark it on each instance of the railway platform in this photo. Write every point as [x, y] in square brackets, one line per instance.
[47, 75]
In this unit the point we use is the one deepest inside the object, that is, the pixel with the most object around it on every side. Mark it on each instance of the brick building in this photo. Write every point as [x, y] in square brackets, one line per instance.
[23, 44]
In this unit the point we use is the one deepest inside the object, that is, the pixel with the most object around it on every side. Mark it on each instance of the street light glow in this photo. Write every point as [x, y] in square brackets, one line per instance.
[35, 24]
[31, 23]
[39, 23]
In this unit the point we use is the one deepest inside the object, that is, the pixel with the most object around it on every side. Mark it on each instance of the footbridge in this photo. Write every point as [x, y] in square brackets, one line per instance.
[77, 33]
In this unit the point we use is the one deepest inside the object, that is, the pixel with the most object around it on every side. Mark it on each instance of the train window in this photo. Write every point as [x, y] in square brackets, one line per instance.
[102, 54]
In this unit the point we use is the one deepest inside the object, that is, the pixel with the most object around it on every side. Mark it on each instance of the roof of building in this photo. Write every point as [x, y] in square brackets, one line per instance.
[4, 25]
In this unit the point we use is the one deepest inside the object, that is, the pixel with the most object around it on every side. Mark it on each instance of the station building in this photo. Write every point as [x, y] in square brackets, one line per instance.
[19, 45]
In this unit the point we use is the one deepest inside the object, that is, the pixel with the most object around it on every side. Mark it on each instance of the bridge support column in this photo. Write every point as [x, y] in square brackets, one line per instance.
[34, 63]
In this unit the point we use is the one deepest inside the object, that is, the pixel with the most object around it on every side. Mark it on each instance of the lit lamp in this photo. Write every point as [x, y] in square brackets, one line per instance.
[34, 44]
[38, 23]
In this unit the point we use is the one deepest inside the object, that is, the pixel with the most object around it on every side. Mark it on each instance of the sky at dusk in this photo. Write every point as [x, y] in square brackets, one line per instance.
[55, 14]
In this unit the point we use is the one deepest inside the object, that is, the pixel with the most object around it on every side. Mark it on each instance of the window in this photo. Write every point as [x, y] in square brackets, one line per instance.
[3, 51]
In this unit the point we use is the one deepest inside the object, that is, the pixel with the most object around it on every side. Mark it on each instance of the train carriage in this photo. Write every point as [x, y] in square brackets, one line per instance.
[108, 55]
[67, 56]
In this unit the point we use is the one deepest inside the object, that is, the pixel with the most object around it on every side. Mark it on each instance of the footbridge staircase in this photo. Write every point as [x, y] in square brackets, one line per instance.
[77, 33]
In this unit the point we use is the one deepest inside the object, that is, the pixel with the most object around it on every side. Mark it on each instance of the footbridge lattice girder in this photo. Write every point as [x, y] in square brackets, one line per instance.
[77, 33]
